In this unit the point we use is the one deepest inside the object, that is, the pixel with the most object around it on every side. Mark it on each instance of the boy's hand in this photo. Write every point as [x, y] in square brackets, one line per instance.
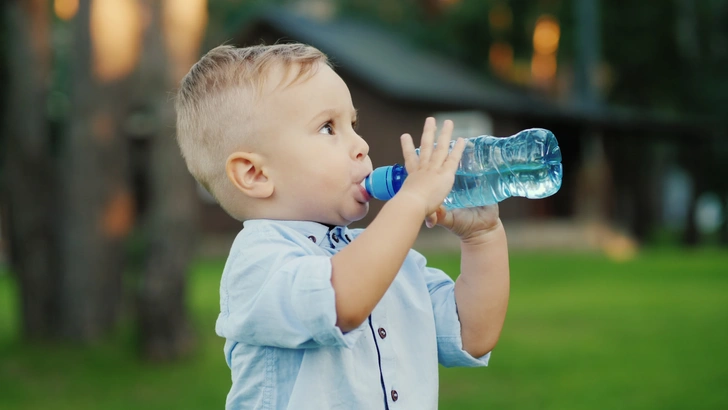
[432, 173]
[468, 223]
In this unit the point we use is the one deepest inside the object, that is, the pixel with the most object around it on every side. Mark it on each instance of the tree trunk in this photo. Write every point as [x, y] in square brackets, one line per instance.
[29, 183]
[96, 202]
[164, 329]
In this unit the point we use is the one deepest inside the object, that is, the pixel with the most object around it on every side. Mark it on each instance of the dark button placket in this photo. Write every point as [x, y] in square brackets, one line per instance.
[379, 361]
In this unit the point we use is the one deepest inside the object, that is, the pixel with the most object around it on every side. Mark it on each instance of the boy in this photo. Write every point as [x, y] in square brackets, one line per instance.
[317, 316]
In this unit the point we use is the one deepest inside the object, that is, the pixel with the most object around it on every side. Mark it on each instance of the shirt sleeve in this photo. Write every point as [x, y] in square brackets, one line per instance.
[450, 351]
[275, 294]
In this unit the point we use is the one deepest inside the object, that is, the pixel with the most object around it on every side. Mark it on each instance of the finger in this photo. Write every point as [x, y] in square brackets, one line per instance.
[443, 143]
[431, 220]
[408, 152]
[445, 218]
[428, 136]
[453, 160]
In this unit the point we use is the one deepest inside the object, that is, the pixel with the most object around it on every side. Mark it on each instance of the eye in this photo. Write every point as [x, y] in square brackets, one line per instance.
[355, 124]
[327, 128]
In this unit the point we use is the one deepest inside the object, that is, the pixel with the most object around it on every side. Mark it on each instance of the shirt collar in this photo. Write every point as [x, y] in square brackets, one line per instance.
[317, 232]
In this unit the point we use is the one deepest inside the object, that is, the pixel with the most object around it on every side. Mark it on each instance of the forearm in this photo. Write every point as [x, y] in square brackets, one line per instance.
[363, 271]
[482, 290]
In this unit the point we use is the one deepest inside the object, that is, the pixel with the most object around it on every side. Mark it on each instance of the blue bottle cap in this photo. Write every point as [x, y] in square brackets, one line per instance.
[379, 184]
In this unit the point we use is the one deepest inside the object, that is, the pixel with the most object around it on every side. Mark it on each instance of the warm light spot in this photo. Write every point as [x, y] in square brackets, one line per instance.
[184, 25]
[500, 57]
[620, 248]
[116, 35]
[546, 35]
[500, 17]
[65, 9]
[118, 214]
[543, 67]
[617, 245]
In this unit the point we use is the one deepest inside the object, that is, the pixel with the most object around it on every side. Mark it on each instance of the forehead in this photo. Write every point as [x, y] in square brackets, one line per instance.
[320, 85]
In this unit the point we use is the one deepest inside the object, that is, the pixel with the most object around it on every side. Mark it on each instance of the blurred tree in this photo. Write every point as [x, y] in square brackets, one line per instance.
[67, 209]
[69, 206]
[96, 206]
[29, 184]
[164, 329]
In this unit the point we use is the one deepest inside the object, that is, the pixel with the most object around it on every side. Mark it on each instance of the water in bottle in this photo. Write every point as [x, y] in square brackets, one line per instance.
[491, 169]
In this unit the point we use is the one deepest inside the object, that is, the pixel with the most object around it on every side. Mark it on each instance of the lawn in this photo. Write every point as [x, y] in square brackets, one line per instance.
[582, 332]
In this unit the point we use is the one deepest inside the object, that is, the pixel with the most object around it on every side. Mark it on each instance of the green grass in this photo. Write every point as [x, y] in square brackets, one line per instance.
[582, 332]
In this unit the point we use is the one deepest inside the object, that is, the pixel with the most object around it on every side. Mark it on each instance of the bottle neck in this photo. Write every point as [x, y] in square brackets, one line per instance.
[384, 182]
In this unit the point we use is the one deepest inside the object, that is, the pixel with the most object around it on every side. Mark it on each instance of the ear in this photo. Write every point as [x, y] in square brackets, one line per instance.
[245, 170]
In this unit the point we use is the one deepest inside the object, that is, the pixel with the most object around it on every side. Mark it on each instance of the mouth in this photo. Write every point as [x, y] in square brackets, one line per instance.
[363, 196]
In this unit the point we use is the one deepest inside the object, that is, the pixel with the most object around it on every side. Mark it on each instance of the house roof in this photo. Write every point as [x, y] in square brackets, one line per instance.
[396, 68]
[399, 70]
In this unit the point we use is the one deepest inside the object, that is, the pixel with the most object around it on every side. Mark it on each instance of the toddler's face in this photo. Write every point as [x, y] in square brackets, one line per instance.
[317, 160]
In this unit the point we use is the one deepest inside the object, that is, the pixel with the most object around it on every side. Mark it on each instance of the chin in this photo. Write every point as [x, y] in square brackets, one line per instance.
[361, 215]
[346, 219]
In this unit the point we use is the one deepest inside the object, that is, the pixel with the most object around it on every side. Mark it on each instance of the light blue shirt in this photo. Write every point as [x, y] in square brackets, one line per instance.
[277, 314]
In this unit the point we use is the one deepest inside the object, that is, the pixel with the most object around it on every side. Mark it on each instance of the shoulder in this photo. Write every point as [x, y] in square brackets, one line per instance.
[267, 243]
[263, 235]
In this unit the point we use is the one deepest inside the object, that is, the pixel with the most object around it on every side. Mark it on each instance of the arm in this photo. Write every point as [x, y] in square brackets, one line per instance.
[482, 289]
[364, 270]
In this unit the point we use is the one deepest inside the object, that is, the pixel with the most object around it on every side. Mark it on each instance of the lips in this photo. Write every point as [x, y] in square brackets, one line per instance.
[363, 194]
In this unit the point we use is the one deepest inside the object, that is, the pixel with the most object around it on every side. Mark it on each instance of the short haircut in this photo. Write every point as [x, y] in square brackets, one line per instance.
[215, 105]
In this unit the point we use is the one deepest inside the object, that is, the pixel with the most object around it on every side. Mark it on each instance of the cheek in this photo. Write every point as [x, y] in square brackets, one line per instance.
[314, 180]
[333, 169]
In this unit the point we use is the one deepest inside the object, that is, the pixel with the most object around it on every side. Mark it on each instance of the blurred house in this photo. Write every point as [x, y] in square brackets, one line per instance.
[395, 86]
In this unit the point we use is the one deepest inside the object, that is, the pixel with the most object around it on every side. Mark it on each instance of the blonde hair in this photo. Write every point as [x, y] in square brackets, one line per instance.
[215, 106]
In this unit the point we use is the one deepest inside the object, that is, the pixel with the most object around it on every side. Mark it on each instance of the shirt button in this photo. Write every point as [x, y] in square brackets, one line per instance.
[382, 333]
[335, 237]
[394, 394]
[347, 237]
[312, 238]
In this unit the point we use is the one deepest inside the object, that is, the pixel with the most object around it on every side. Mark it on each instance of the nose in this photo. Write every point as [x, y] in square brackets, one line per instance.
[361, 148]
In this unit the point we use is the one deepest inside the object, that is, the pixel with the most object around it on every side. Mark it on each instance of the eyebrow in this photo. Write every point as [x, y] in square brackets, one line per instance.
[332, 112]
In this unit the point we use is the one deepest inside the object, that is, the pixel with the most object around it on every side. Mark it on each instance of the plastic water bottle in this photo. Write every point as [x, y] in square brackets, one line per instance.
[491, 169]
